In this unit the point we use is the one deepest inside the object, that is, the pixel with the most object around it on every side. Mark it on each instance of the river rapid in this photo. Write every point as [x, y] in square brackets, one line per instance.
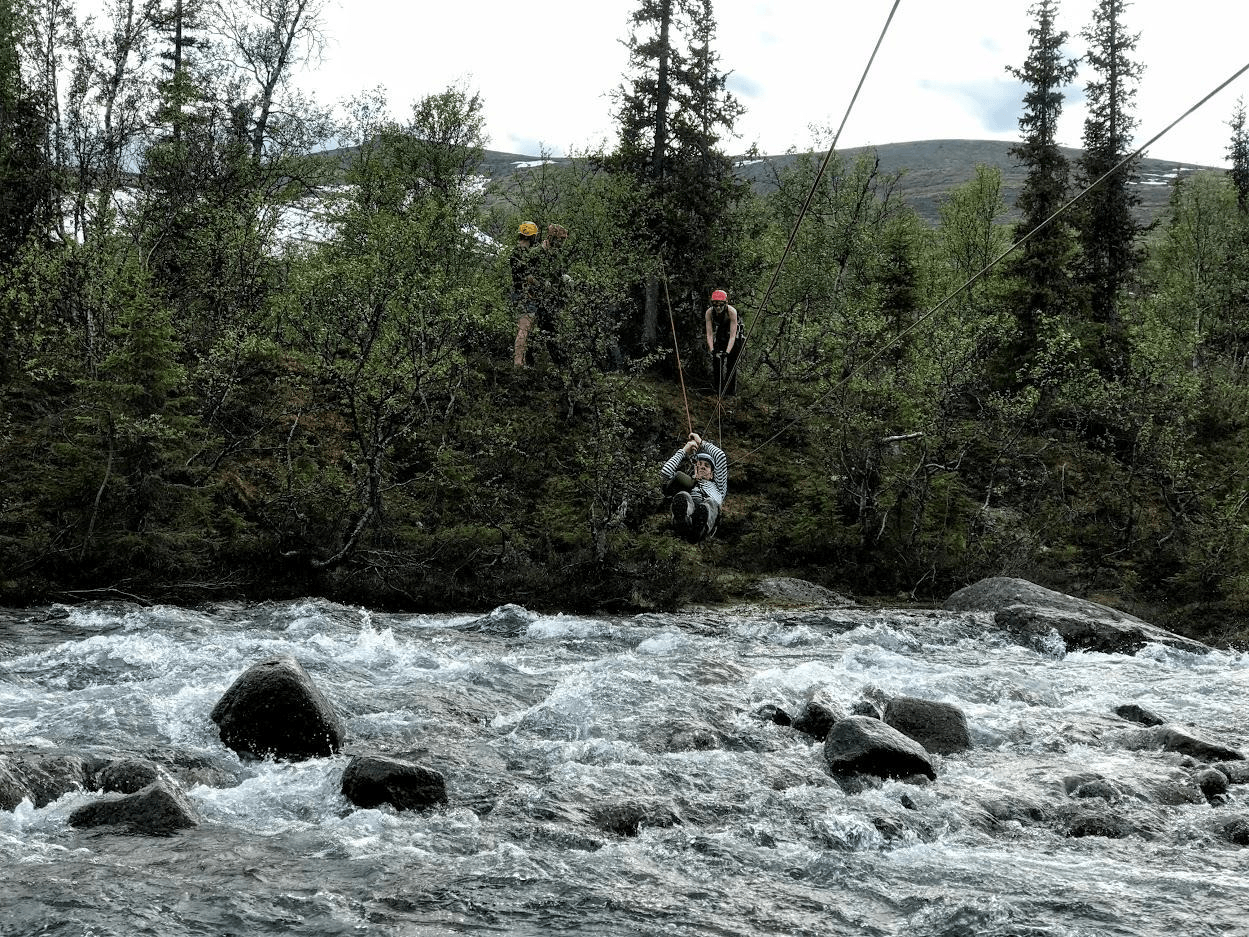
[612, 776]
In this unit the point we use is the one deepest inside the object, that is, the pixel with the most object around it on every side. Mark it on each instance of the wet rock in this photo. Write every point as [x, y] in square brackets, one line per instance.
[1013, 808]
[1024, 608]
[817, 717]
[860, 745]
[771, 713]
[48, 777]
[1172, 792]
[629, 818]
[372, 780]
[1213, 783]
[12, 791]
[509, 619]
[1237, 772]
[1106, 825]
[940, 727]
[1235, 830]
[273, 709]
[1088, 633]
[799, 592]
[1098, 787]
[1171, 739]
[129, 775]
[157, 810]
[693, 737]
[866, 707]
[1139, 714]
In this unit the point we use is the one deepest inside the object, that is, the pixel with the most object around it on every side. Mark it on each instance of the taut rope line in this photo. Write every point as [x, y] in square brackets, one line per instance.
[677, 349]
[1007, 252]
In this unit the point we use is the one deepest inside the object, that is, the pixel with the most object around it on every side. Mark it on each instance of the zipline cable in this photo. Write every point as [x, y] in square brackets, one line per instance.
[1004, 254]
[676, 348]
[815, 183]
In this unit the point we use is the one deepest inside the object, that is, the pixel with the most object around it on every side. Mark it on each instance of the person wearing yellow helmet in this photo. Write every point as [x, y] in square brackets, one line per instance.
[523, 262]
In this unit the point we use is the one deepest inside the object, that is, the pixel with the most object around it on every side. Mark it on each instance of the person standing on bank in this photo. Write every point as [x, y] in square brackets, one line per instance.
[724, 341]
[696, 500]
[525, 286]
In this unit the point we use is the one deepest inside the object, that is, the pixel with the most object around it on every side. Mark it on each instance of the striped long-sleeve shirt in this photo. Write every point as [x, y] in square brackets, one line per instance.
[713, 490]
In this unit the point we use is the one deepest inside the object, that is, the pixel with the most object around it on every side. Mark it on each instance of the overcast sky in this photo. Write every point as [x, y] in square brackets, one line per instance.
[545, 68]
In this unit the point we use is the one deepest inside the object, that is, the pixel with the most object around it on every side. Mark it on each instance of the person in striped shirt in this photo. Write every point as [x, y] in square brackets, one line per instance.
[696, 499]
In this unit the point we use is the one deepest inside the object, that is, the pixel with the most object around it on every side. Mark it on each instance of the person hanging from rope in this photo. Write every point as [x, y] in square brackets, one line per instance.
[724, 342]
[697, 499]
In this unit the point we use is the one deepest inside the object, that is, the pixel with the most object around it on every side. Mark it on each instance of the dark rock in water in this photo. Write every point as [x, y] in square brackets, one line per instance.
[1213, 783]
[772, 713]
[865, 707]
[693, 737]
[817, 717]
[47, 777]
[371, 780]
[1139, 714]
[1012, 808]
[157, 810]
[1237, 772]
[273, 709]
[799, 592]
[12, 791]
[630, 817]
[506, 620]
[1106, 825]
[1169, 738]
[1236, 830]
[939, 727]
[1089, 633]
[129, 775]
[860, 745]
[1097, 787]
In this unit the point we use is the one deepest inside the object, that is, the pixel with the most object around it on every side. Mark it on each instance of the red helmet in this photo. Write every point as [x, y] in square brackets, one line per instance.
[719, 296]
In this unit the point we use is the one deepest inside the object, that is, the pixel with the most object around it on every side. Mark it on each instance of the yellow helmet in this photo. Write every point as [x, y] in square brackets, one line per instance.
[528, 229]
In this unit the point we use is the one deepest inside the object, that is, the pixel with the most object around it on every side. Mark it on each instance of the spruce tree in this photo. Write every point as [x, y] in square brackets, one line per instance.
[671, 115]
[1041, 269]
[1108, 229]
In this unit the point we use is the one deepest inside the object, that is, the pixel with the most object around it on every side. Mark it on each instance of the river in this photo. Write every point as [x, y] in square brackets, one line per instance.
[612, 776]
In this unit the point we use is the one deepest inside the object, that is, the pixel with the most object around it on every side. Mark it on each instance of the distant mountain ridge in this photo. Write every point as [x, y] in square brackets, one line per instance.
[930, 168]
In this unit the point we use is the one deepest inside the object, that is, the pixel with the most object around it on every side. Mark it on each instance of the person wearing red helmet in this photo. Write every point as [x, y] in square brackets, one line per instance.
[724, 341]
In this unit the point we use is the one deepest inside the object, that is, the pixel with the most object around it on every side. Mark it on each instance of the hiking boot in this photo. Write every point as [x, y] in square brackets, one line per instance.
[682, 509]
[698, 520]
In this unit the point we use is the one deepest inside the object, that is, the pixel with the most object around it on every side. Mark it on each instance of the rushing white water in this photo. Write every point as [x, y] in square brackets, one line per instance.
[551, 729]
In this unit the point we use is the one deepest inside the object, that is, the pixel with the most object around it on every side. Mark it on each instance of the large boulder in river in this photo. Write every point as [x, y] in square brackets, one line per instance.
[939, 727]
[274, 710]
[1169, 738]
[1024, 608]
[160, 809]
[785, 591]
[372, 780]
[862, 745]
[12, 791]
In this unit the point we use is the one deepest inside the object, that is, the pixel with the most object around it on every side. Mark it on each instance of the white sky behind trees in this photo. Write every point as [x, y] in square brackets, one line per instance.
[545, 68]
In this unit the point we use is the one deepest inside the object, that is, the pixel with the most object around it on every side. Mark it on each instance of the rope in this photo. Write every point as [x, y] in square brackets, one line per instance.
[1006, 253]
[815, 183]
[676, 348]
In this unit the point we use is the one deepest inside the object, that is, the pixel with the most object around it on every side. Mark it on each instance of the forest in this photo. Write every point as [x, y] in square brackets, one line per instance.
[237, 362]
